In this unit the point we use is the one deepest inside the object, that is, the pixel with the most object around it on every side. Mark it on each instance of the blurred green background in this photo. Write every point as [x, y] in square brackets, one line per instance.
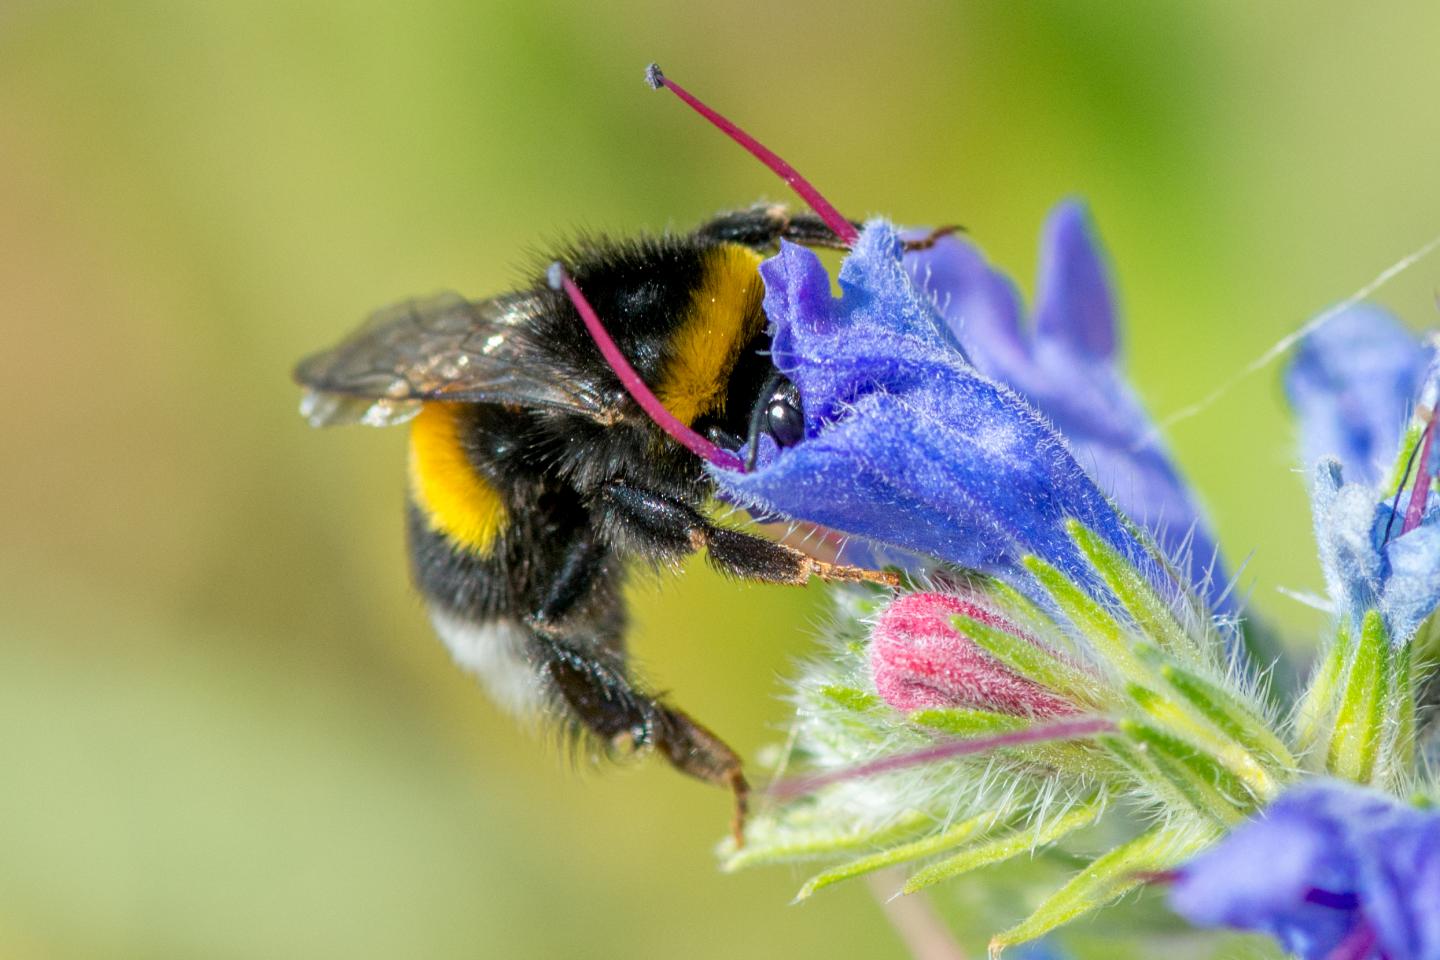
[227, 729]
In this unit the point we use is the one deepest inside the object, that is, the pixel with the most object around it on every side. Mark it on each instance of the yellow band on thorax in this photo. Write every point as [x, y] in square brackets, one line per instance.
[724, 314]
[455, 499]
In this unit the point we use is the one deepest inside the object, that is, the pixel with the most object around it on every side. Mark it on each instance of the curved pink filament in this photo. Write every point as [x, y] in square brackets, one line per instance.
[635, 386]
[1041, 733]
[1420, 492]
[843, 228]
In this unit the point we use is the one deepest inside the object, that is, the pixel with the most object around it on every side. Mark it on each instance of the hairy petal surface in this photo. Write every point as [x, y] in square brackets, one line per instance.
[1351, 384]
[1065, 363]
[1369, 560]
[906, 443]
[1323, 859]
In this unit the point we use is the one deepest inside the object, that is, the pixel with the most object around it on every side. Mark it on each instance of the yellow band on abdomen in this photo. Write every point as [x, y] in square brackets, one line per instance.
[455, 499]
[724, 314]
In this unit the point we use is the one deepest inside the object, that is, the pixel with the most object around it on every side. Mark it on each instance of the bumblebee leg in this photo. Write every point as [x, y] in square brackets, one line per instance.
[693, 749]
[932, 238]
[675, 529]
[583, 563]
[604, 701]
[765, 225]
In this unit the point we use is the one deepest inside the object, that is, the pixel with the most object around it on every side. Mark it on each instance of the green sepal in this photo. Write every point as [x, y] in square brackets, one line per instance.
[1154, 617]
[1400, 469]
[1102, 632]
[959, 722]
[1004, 847]
[1188, 724]
[1019, 609]
[1143, 769]
[791, 845]
[1403, 749]
[1030, 660]
[945, 840]
[1317, 706]
[1425, 643]
[1360, 719]
[1229, 714]
[1106, 878]
[1210, 787]
[851, 698]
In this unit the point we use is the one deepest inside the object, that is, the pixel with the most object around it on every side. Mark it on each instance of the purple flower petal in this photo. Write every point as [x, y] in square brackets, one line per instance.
[1066, 367]
[1412, 583]
[906, 442]
[1074, 306]
[1324, 858]
[1351, 384]
[1401, 883]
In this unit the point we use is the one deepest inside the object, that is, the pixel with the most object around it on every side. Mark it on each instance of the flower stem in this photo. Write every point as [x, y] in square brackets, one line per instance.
[914, 919]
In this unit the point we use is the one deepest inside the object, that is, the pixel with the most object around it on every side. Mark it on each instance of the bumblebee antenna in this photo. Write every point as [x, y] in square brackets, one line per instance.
[634, 385]
[843, 228]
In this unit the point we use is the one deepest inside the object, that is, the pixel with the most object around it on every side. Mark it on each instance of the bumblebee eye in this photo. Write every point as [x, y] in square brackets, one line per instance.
[784, 420]
[778, 412]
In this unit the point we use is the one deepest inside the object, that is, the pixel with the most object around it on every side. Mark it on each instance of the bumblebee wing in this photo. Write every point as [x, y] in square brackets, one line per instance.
[438, 348]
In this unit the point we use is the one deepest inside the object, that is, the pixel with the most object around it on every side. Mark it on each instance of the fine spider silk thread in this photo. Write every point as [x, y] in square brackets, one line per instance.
[1289, 340]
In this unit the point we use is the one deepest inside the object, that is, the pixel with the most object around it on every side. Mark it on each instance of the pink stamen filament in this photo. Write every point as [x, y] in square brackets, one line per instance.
[843, 228]
[1358, 944]
[1160, 877]
[1420, 492]
[1042, 733]
[634, 385]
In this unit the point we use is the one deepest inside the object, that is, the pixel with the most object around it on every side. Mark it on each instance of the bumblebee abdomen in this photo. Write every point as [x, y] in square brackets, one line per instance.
[497, 651]
[454, 498]
[723, 317]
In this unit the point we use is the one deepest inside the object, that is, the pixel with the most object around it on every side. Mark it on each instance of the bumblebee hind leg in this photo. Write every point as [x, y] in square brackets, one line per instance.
[604, 702]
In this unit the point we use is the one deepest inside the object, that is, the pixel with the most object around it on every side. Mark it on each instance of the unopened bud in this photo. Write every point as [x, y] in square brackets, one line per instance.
[920, 661]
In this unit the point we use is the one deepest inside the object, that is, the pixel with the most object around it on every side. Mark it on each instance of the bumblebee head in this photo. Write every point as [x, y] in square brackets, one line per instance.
[775, 409]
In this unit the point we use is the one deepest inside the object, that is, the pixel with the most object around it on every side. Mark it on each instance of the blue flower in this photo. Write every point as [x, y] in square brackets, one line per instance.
[1352, 383]
[1328, 864]
[1065, 364]
[906, 443]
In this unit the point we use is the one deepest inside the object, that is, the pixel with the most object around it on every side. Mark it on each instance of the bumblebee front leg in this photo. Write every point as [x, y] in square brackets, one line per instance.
[763, 227]
[602, 699]
[675, 530]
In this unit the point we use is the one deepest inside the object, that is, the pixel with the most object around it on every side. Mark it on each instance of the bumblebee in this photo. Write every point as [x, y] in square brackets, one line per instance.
[535, 480]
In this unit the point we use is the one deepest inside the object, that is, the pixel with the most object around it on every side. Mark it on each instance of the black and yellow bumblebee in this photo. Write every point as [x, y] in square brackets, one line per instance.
[534, 478]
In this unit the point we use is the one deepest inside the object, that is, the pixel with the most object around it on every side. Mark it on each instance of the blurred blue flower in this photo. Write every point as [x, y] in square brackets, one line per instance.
[1353, 383]
[906, 443]
[1065, 363]
[1327, 864]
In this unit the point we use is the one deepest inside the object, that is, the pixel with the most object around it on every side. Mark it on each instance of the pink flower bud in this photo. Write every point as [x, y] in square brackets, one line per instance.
[920, 661]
